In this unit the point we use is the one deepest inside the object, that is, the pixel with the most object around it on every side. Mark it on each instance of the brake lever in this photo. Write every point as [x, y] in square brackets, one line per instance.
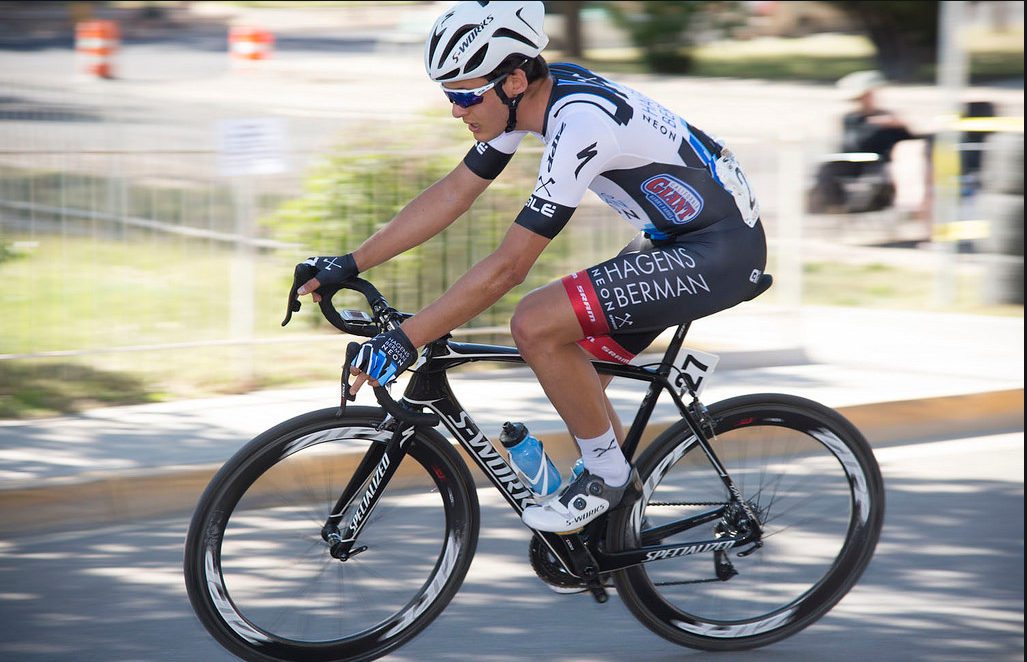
[300, 275]
[381, 394]
[347, 396]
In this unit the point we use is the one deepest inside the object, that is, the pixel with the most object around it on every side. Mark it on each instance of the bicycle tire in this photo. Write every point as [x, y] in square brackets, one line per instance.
[817, 490]
[261, 579]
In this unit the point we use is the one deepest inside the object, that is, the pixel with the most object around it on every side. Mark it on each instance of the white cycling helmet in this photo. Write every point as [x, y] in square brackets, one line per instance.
[473, 38]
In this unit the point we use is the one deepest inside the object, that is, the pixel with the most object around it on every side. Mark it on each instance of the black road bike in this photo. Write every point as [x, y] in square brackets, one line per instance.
[341, 534]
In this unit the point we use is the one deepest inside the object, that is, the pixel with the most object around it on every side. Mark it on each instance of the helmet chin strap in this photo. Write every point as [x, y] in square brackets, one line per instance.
[511, 104]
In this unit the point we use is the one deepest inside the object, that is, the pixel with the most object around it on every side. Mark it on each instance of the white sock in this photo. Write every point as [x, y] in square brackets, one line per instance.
[603, 458]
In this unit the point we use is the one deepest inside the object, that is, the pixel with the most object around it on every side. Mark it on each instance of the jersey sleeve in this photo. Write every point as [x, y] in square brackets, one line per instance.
[580, 148]
[487, 160]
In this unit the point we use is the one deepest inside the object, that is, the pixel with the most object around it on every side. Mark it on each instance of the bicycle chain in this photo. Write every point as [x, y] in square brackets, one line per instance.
[688, 503]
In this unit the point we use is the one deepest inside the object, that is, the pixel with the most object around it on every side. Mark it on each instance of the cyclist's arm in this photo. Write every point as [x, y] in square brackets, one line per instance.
[482, 286]
[431, 212]
[575, 161]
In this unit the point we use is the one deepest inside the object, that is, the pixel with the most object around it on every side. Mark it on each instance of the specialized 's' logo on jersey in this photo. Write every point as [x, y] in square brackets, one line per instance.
[677, 201]
[585, 155]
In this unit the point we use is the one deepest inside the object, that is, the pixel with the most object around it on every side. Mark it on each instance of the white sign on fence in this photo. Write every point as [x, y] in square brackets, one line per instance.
[251, 146]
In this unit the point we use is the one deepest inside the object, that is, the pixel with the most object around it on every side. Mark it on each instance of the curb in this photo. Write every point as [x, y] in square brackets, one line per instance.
[92, 500]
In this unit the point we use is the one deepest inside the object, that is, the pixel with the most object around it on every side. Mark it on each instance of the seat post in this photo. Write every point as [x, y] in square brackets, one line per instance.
[645, 409]
[673, 348]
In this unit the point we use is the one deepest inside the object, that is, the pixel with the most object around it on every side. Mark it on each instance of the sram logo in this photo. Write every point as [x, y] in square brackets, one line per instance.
[673, 552]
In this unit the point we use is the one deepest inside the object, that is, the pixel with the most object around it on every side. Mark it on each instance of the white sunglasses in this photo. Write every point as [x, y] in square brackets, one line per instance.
[468, 98]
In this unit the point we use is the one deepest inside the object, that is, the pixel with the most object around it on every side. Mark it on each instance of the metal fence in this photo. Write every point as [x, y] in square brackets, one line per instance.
[127, 245]
[130, 245]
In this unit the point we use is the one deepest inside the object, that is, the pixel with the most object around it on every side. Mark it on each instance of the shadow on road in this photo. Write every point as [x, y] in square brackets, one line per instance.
[946, 584]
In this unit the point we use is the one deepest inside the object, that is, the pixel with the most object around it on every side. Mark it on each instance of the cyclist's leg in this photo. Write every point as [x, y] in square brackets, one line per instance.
[546, 330]
[545, 327]
[630, 297]
[611, 411]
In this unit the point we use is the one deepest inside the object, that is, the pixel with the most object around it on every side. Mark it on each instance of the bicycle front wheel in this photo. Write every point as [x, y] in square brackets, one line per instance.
[262, 580]
[813, 484]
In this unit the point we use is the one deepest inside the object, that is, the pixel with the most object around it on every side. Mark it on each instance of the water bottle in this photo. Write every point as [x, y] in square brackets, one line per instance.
[529, 459]
[578, 468]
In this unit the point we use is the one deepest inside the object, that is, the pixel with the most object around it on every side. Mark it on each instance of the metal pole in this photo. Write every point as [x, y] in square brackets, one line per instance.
[790, 221]
[951, 81]
[241, 285]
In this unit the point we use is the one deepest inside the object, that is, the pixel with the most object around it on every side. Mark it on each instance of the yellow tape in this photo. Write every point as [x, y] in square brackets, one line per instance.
[985, 124]
[961, 231]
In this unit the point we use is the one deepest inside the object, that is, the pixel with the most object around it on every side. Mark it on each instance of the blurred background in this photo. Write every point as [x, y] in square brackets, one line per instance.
[163, 165]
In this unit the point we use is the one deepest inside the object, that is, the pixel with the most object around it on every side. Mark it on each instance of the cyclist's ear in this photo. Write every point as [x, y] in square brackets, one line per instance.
[516, 83]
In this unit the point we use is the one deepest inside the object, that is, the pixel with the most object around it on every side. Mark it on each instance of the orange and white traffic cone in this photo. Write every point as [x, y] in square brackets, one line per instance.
[247, 45]
[96, 43]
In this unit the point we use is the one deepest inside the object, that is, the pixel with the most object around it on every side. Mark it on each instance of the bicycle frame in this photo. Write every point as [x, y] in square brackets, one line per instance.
[579, 552]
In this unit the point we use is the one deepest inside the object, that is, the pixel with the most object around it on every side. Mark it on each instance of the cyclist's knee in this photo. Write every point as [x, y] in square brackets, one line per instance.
[544, 319]
[526, 323]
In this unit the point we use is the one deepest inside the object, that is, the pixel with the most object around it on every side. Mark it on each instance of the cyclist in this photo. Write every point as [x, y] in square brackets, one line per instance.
[701, 246]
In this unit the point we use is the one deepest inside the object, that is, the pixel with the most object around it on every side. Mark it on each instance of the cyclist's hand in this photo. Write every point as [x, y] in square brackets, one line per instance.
[328, 271]
[382, 358]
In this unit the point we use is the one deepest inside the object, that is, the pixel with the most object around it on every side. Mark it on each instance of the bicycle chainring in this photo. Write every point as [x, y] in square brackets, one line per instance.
[548, 567]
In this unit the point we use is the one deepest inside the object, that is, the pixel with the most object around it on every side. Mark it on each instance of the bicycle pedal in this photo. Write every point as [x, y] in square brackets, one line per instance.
[599, 593]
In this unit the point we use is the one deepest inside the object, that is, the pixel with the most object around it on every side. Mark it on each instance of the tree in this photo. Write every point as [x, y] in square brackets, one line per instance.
[905, 34]
[663, 31]
[571, 12]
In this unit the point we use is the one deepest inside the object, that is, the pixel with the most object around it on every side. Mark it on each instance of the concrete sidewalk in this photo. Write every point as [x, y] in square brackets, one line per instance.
[899, 376]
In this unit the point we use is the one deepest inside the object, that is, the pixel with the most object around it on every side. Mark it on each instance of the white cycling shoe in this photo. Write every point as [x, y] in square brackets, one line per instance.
[581, 501]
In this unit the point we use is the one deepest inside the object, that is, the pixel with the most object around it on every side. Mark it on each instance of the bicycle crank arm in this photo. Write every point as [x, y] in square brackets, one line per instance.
[584, 565]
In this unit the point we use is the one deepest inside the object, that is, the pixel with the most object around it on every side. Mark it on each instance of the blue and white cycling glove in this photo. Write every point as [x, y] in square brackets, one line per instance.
[386, 355]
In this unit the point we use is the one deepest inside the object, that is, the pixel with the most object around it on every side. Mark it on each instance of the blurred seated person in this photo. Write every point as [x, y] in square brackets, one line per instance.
[869, 128]
[859, 178]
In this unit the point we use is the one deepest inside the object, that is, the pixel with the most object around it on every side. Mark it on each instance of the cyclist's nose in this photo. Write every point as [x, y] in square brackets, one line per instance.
[459, 111]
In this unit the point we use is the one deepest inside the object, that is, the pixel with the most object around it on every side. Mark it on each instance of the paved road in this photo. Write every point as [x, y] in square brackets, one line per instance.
[946, 585]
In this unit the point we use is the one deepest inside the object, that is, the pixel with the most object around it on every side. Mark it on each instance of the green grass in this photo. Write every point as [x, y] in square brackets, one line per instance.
[42, 389]
[143, 293]
[888, 287]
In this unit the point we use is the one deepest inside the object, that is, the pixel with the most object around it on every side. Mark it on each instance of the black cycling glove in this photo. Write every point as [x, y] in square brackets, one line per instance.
[333, 270]
[386, 355]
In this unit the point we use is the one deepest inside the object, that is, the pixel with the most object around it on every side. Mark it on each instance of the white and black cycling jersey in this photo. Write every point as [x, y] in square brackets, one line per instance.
[661, 174]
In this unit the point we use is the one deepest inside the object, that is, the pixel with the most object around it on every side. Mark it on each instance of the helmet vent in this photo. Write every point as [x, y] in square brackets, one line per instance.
[516, 36]
[433, 43]
[475, 60]
[449, 75]
[455, 39]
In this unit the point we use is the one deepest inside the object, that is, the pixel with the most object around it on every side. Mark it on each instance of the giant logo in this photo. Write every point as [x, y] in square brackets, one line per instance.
[677, 201]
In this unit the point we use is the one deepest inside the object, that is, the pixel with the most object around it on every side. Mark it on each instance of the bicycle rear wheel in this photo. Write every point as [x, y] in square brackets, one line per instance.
[816, 489]
[261, 578]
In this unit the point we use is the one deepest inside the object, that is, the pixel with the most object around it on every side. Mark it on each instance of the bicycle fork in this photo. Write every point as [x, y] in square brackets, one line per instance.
[375, 471]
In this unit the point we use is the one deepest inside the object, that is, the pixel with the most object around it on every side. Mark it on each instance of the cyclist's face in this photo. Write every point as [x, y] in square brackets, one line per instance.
[487, 119]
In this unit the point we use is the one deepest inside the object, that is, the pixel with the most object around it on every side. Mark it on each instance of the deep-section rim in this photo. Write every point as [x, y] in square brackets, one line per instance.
[652, 610]
[256, 644]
